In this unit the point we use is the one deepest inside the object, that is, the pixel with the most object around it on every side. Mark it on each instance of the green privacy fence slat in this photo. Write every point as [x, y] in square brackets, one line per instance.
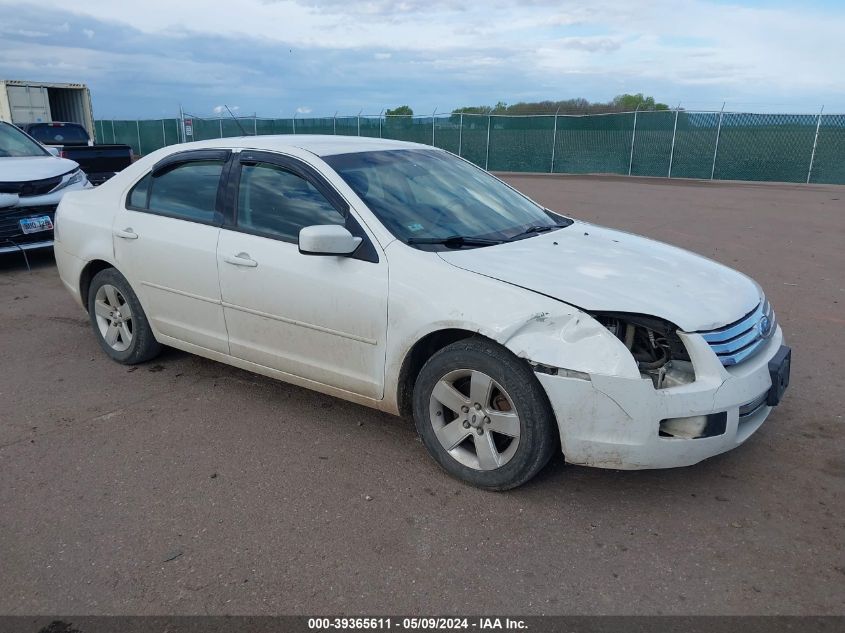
[653, 145]
[314, 126]
[771, 147]
[521, 143]
[156, 134]
[829, 160]
[206, 129]
[126, 132]
[695, 143]
[474, 138]
[594, 144]
[411, 129]
[272, 126]
[371, 127]
[682, 144]
[447, 133]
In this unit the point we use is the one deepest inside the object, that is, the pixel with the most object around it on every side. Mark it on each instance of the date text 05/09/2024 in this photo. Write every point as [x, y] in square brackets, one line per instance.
[416, 624]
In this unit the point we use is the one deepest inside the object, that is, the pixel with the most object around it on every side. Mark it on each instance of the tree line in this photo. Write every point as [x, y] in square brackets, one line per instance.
[620, 103]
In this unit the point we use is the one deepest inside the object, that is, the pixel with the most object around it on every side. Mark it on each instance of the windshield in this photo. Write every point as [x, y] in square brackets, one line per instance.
[16, 144]
[424, 195]
[53, 134]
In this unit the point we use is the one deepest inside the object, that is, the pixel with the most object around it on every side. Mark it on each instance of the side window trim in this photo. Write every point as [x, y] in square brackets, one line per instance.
[232, 178]
[175, 160]
[180, 158]
[301, 169]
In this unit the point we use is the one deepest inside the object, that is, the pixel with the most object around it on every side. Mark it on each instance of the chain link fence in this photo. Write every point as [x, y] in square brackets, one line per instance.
[671, 144]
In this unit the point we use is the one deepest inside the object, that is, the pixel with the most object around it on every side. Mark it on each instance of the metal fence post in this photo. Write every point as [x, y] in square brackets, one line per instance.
[633, 138]
[112, 132]
[460, 133]
[359, 124]
[293, 122]
[674, 132]
[255, 124]
[815, 144]
[180, 133]
[163, 134]
[487, 155]
[138, 133]
[334, 124]
[220, 123]
[718, 135]
[554, 142]
[432, 127]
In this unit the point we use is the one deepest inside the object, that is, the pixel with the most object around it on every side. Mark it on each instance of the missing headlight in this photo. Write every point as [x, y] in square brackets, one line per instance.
[655, 345]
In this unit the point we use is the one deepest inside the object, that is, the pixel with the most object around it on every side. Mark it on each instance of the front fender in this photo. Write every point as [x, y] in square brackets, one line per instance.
[573, 341]
[428, 295]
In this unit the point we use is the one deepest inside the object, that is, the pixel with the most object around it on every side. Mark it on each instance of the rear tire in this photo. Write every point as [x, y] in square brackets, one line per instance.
[483, 415]
[119, 321]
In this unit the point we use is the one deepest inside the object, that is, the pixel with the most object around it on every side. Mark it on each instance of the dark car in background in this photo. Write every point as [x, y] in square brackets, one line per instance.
[99, 162]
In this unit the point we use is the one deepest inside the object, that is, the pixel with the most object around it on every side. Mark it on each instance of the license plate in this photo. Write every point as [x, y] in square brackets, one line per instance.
[779, 368]
[35, 225]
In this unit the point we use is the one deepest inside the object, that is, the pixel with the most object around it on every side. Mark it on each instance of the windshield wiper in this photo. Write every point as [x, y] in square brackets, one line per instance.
[453, 241]
[538, 228]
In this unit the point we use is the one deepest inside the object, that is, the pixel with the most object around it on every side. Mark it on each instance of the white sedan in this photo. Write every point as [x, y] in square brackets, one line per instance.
[404, 278]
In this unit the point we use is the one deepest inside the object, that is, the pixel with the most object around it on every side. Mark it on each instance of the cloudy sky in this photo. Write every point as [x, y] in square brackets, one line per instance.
[277, 57]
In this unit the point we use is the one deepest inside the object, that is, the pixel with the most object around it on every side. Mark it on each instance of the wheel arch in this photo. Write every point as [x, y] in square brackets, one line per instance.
[88, 272]
[416, 357]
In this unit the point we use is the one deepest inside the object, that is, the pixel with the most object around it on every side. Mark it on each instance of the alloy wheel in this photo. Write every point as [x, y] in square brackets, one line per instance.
[114, 317]
[474, 419]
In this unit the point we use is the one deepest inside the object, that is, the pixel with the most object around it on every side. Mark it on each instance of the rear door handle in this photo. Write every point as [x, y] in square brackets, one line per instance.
[126, 234]
[241, 259]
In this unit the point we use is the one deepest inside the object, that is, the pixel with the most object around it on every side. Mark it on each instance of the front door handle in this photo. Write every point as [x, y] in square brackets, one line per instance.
[241, 259]
[127, 234]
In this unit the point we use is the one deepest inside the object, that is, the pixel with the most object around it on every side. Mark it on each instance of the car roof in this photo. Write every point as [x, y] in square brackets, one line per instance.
[321, 145]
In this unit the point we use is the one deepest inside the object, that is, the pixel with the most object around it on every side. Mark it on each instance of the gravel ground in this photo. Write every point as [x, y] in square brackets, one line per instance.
[188, 487]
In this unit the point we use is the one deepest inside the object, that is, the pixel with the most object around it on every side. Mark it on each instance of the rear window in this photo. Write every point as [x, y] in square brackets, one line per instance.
[58, 134]
[187, 191]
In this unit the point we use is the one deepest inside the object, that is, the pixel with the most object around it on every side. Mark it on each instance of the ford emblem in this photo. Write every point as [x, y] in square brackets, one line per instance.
[764, 326]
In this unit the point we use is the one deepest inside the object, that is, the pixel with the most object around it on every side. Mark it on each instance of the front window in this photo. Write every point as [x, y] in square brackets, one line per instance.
[429, 195]
[278, 203]
[16, 144]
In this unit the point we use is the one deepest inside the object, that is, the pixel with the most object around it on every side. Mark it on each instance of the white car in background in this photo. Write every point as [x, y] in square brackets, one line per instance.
[32, 181]
[404, 278]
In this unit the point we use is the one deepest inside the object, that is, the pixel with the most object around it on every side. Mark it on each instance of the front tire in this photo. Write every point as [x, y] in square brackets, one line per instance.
[483, 415]
[119, 322]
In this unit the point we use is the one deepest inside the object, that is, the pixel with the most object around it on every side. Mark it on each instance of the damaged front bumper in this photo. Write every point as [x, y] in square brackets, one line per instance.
[613, 422]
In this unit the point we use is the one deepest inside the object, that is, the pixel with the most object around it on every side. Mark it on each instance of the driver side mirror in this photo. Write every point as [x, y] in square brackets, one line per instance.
[55, 151]
[327, 239]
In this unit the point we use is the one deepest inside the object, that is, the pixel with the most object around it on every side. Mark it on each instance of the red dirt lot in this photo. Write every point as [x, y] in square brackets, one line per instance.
[184, 486]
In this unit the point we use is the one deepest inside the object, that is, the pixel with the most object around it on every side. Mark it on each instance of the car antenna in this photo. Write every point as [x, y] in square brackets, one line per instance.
[238, 123]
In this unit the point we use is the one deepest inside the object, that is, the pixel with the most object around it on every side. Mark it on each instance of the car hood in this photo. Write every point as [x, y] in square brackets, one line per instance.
[603, 270]
[28, 168]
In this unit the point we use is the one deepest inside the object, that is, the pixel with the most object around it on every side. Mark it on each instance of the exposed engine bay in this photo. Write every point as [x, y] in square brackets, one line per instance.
[655, 345]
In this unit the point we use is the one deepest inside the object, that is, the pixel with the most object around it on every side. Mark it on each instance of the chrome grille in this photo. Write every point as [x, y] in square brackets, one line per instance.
[10, 224]
[741, 339]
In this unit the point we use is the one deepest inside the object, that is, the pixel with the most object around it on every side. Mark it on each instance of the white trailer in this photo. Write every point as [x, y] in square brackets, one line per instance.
[38, 102]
